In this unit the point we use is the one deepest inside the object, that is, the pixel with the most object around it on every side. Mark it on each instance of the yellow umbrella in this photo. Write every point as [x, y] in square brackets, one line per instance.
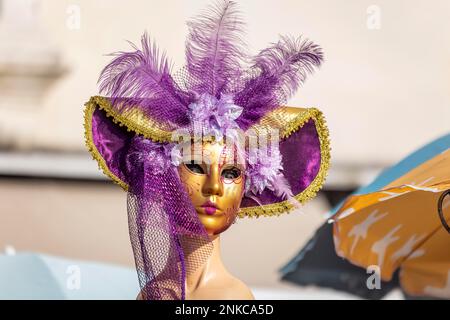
[403, 226]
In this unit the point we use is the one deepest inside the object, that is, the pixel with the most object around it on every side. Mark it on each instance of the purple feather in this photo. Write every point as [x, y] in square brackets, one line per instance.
[282, 190]
[215, 50]
[142, 79]
[278, 72]
[289, 60]
[281, 187]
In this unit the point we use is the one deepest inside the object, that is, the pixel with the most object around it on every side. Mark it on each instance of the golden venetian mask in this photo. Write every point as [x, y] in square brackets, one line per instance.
[215, 183]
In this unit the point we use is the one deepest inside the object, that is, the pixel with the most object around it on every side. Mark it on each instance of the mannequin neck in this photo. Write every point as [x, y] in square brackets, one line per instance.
[211, 269]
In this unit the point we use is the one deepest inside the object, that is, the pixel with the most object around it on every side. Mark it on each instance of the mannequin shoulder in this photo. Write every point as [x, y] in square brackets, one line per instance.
[240, 290]
[224, 288]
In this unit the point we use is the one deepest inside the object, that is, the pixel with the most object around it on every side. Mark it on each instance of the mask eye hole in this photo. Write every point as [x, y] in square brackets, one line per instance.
[231, 173]
[195, 168]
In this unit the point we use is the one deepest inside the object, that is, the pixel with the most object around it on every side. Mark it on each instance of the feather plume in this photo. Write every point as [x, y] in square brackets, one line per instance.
[143, 77]
[278, 71]
[289, 60]
[282, 189]
[215, 50]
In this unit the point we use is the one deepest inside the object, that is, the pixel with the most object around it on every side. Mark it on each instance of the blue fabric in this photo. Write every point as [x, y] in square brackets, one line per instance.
[26, 276]
[33, 276]
[413, 160]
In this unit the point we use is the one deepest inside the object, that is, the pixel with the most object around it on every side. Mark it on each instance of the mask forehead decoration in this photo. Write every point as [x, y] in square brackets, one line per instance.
[230, 103]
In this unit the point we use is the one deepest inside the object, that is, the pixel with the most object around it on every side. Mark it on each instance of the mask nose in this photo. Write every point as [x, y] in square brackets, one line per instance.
[213, 184]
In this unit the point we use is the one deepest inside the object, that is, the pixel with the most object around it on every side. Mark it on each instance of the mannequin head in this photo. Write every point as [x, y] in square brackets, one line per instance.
[215, 181]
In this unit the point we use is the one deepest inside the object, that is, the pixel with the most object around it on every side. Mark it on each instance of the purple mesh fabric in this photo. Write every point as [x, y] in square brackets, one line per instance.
[169, 242]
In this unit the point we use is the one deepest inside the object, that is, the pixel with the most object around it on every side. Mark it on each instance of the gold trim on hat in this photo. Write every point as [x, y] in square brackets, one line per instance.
[90, 107]
[135, 120]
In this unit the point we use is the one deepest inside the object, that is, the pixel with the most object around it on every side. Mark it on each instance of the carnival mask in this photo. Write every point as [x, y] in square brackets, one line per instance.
[215, 182]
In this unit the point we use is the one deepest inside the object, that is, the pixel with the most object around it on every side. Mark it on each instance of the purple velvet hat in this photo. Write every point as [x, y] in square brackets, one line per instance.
[304, 148]
[130, 132]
